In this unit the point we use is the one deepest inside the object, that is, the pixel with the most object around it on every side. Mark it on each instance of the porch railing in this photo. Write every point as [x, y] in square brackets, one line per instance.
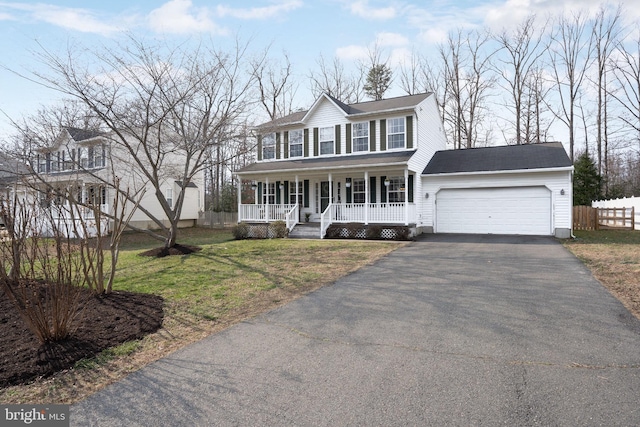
[326, 219]
[265, 213]
[292, 217]
[373, 213]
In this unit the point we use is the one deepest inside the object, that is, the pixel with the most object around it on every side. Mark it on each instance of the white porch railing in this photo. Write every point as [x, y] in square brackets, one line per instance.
[326, 219]
[264, 213]
[374, 213]
[292, 217]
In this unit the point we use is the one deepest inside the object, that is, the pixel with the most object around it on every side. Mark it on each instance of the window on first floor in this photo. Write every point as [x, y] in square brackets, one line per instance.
[396, 189]
[292, 193]
[358, 189]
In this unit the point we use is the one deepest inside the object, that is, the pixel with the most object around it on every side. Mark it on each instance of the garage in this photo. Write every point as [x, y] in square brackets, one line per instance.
[506, 210]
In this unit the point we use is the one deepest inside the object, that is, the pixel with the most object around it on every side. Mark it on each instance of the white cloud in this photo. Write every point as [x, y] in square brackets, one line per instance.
[266, 12]
[181, 17]
[352, 52]
[362, 9]
[74, 19]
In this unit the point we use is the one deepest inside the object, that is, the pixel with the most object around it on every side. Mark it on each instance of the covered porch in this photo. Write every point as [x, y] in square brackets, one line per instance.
[381, 194]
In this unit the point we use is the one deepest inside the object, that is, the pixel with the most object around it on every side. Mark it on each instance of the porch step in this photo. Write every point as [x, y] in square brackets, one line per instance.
[307, 230]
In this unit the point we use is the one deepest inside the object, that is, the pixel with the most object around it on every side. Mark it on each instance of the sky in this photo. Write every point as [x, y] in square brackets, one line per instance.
[304, 29]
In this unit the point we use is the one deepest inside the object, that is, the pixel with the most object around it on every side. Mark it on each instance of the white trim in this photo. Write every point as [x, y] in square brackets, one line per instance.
[502, 171]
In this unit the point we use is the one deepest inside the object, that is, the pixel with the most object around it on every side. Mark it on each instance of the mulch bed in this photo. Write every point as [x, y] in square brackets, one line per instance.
[176, 249]
[106, 321]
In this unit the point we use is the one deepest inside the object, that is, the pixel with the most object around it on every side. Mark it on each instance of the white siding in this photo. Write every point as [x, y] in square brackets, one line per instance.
[561, 205]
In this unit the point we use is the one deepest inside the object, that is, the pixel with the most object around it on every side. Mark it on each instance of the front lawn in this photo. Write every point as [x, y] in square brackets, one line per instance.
[204, 292]
[613, 257]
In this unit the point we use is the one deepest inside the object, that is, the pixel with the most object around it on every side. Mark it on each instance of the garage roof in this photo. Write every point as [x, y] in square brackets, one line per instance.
[511, 157]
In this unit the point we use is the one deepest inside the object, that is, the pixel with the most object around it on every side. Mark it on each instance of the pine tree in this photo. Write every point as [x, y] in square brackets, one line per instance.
[587, 183]
[378, 81]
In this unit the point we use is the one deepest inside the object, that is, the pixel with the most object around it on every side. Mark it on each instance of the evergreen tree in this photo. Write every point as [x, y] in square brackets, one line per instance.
[587, 183]
[378, 81]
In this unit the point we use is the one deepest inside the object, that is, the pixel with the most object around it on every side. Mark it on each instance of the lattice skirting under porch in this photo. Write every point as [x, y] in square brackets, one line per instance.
[371, 231]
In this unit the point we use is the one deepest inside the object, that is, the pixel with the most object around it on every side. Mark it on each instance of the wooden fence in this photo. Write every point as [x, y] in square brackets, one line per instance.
[217, 219]
[588, 218]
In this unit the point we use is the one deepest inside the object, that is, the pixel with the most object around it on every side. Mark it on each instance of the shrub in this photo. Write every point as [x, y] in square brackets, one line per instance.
[241, 231]
[278, 230]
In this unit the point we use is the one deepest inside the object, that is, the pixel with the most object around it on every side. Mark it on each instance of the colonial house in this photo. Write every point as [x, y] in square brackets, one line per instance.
[385, 163]
[85, 163]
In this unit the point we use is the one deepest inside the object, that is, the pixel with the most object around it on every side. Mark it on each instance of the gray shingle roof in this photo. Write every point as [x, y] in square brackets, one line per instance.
[387, 158]
[397, 103]
[511, 157]
[83, 134]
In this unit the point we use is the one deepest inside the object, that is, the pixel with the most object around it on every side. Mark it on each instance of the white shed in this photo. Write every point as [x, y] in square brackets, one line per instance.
[523, 189]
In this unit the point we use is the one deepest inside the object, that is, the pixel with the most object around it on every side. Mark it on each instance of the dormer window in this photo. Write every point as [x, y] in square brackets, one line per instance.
[295, 143]
[269, 146]
[326, 140]
[360, 136]
[396, 133]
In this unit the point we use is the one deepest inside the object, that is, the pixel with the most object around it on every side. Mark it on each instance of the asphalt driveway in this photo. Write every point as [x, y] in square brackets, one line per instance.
[450, 330]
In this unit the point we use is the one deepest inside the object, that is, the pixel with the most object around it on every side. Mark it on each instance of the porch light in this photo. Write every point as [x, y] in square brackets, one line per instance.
[386, 182]
[562, 192]
[254, 186]
[426, 196]
[282, 186]
[348, 183]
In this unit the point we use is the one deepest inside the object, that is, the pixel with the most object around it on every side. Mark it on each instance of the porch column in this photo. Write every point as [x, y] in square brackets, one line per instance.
[406, 196]
[330, 189]
[265, 194]
[239, 198]
[366, 197]
[297, 192]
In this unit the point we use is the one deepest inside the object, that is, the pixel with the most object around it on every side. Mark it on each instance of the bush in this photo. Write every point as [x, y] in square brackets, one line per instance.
[278, 230]
[241, 231]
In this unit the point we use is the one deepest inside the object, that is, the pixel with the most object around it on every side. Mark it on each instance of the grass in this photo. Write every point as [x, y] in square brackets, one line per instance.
[207, 291]
[613, 256]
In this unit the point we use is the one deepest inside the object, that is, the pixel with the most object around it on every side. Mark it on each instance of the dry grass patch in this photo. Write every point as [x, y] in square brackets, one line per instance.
[614, 259]
[224, 283]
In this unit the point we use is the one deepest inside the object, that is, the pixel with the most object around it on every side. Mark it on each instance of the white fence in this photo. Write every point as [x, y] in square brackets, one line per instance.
[625, 202]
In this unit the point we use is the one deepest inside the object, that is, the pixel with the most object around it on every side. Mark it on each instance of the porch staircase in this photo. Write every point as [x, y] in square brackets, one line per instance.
[305, 230]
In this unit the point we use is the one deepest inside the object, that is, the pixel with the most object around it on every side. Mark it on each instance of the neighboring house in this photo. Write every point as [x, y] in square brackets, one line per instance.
[384, 162]
[86, 163]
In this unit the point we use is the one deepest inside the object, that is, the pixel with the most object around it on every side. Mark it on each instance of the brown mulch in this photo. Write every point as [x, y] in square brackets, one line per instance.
[176, 249]
[106, 321]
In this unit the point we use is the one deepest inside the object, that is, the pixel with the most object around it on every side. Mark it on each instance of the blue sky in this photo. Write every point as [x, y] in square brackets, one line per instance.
[302, 28]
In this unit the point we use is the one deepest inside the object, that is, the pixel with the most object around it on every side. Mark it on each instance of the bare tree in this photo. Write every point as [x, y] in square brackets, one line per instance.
[570, 51]
[467, 78]
[334, 80]
[411, 73]
[606, 31]
[524, 48]
[163, 108]
[275, 85]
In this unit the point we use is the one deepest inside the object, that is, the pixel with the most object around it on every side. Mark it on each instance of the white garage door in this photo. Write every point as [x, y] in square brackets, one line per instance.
[513, 210]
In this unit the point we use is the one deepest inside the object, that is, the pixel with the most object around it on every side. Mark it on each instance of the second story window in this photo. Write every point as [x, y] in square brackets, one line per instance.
[396, 133]
[326, 140]
[269, 146]
[360, 136]
[295, 143]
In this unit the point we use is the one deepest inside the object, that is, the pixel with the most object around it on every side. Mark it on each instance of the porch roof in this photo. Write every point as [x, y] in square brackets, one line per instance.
[391, 158]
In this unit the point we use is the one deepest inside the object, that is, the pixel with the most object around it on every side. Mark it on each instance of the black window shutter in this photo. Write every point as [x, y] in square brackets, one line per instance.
[383, 190]
[372, 135]
[260, 193]
[305, 189]
[409, 131]
[287, 199]
[349, 190]
[306, 142]
[337, 139]
[348, 137]
[315, 141]
[286, 145]
[372, 189]
[383, 135]
[278, 201]
[410, 188]
[278, 145]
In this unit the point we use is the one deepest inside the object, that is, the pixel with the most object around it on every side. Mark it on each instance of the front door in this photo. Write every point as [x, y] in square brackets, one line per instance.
[324, 196]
